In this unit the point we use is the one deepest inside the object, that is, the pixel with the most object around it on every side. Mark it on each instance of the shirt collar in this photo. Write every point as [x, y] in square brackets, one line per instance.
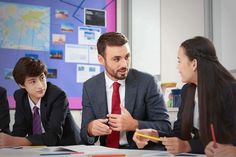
[109, 81]
[32, 103]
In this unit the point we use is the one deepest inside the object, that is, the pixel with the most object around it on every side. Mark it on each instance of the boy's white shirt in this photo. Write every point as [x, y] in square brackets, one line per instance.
[32, 109]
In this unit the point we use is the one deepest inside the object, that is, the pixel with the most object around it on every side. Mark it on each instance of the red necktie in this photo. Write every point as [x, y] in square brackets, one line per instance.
[114, 138]
[36, 121]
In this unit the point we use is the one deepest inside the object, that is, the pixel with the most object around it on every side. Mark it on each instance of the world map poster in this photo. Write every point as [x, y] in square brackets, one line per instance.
[24, 26]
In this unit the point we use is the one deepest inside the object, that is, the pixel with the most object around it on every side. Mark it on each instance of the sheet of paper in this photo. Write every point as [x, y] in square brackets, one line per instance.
[76, 53]
[91, 149]
[93, 55]
[88, 35]
[84, 72]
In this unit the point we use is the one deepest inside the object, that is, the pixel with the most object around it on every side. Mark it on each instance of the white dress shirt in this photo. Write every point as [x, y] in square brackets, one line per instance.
[196, 111]
[32, 109]
[109, 90]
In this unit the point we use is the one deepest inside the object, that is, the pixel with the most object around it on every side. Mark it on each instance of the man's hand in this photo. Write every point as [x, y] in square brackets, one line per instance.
[98, 127]
[122, 122]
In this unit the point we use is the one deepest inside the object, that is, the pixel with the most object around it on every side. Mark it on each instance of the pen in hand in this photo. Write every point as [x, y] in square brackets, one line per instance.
[213, 136]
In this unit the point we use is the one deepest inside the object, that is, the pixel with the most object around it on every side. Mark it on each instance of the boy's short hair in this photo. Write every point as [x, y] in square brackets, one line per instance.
[28, 67]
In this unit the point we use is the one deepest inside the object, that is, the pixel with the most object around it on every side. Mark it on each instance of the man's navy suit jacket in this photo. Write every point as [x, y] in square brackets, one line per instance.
[142, 99]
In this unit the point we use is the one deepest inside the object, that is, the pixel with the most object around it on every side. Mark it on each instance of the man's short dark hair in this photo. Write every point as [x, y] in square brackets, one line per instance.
[28, 67]
[110, 39]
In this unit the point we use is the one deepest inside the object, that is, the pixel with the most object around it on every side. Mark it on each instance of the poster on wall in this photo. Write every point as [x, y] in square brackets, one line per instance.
[95, 17]
[58, 32]
[76, 53]
[84, 72]
[88, 35]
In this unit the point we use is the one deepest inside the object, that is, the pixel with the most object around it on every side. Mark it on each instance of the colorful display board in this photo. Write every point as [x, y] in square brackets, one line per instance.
[61, 33]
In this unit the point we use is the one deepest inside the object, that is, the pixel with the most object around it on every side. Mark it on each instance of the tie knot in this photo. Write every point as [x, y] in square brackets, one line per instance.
[116, 85]
[36, 109]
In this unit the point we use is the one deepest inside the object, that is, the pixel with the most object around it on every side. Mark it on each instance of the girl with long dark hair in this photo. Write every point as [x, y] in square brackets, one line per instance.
[208, 97]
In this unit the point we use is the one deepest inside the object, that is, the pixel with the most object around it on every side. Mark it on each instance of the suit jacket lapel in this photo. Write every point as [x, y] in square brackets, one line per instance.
[28, 113]
[130, 91]
[101, 98]
[27, 108]
[43, 112]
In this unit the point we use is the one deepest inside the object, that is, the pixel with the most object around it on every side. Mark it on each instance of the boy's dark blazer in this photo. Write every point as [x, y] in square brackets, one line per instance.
[4, 111]
[59, 125]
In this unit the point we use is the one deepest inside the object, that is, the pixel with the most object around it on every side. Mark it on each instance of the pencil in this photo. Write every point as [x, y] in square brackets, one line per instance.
[213, 136]
[60, 153]
[149, 137]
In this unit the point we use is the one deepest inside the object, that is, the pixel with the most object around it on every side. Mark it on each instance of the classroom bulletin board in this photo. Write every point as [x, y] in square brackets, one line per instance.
[61, 33]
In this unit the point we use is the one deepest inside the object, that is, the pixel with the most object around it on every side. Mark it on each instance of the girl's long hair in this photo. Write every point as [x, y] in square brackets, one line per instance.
[216, 94]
